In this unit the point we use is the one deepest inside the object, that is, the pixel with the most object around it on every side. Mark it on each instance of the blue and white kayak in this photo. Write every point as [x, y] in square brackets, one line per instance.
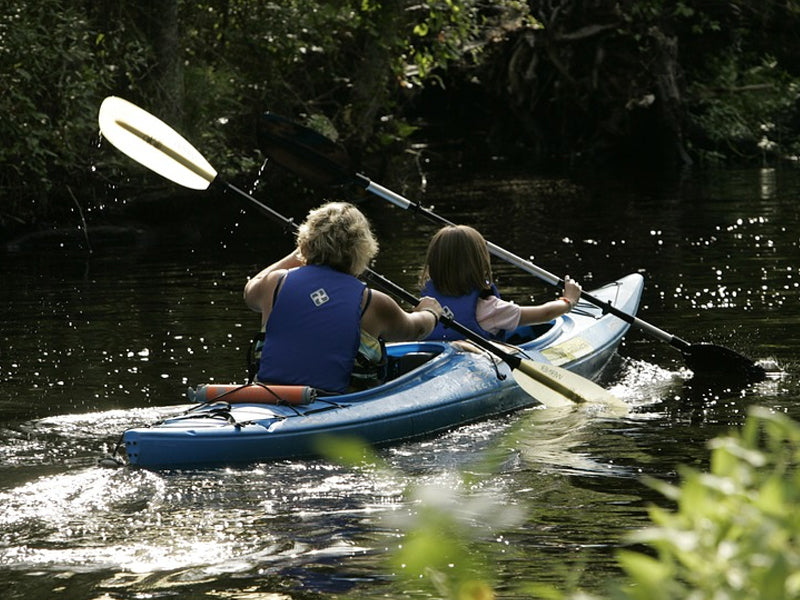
[432, 387]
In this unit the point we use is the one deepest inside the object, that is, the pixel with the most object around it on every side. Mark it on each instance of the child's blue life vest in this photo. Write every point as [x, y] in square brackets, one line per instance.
[462, 309]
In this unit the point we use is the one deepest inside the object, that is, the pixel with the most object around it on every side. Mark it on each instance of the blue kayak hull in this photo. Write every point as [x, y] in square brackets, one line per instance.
[454, 386]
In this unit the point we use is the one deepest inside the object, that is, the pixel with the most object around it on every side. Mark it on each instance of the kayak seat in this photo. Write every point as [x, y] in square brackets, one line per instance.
[400, 365]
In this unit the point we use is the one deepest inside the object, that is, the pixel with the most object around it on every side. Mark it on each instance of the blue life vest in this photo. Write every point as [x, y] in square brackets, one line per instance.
[463, 309]
[313, 331]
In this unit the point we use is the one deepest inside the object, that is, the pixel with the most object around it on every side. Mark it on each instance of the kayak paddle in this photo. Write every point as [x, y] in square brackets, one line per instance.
[154, 144]
[323, 162]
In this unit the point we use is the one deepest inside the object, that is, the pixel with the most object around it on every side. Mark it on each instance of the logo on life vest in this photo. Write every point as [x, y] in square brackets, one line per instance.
[319, 297]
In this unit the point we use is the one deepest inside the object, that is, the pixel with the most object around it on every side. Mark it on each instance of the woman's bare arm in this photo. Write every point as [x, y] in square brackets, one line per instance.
[259, 290]
[384, 318]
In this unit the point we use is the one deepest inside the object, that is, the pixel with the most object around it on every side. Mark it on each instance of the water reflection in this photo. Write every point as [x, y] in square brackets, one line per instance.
[769, 183]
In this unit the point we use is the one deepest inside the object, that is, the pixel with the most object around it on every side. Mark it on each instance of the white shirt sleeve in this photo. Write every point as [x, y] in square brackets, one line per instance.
[495, 314]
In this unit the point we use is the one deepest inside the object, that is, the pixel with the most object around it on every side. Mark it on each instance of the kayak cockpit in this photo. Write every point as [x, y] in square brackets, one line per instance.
[404, 357]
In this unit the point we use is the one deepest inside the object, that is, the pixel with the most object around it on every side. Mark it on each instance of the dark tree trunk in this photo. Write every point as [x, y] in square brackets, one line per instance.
[160, 23]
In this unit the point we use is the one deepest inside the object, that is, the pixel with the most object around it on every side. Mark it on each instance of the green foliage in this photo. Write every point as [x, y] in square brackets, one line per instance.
[740, 94]
[53, 68]
[743, 105]
[660, 80]
[348, 61]
[45, 51]
[444, 32]
[736, 529]
[595, 73]
[352, 60]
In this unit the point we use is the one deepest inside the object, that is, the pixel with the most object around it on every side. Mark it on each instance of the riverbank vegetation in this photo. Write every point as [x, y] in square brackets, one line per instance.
[561, 82]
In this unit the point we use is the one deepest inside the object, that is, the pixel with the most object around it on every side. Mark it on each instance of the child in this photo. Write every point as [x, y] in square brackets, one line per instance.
[458, 274]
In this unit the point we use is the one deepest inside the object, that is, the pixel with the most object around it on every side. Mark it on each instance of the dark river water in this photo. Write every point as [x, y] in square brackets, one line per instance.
[94, 343]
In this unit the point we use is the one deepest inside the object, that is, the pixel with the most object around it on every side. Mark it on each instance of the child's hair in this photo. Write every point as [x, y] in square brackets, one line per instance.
[457, 261]
[338, 235]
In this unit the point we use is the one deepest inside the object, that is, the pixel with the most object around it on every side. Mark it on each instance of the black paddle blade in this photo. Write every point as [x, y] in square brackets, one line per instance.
[709, 359]
[303, 151]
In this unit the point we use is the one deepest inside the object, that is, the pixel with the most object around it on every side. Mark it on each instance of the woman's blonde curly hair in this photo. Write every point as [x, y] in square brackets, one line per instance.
[338, 235]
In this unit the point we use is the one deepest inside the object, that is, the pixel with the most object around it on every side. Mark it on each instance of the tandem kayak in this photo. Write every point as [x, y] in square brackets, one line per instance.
[431, 387]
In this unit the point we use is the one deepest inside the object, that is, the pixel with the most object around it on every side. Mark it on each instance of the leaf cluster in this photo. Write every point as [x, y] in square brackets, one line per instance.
[52, 70]
[735, 531]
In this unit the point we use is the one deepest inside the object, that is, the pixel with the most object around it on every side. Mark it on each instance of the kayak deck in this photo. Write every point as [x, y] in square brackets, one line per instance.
[431, 387]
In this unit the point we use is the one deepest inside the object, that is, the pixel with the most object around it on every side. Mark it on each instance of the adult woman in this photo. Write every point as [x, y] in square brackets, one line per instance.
[458, 274]
[317, 316]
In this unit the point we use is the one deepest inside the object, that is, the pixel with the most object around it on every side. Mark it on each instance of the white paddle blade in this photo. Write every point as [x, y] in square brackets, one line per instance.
[154, 144]
[570, 385]
[546, 395]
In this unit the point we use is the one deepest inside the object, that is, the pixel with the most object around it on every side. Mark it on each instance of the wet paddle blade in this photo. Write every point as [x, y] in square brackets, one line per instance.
[154, 144]
[566, 384]
[549, 397]
[304, 152]
[712, 360]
